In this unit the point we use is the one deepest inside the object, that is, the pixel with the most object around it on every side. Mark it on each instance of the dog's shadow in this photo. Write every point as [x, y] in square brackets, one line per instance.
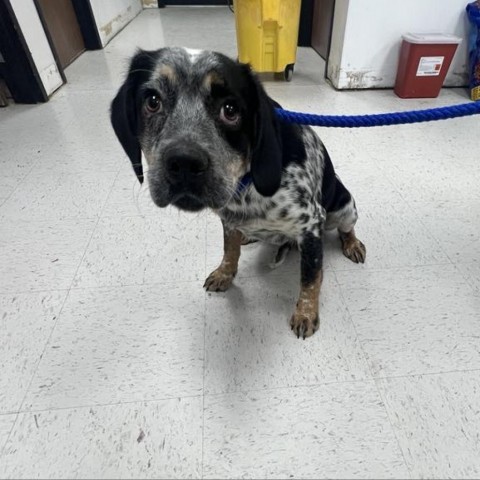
[244, 328]
[248, 331]
[248, 336]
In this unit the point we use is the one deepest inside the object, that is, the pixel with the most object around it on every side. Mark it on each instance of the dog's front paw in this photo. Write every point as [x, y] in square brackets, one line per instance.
[219, 280]
[304, 324]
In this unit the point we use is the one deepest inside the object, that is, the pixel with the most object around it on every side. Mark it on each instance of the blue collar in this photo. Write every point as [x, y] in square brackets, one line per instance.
[244, 182]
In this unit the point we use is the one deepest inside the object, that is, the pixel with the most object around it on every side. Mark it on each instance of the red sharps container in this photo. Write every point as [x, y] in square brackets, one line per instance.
[424, 63]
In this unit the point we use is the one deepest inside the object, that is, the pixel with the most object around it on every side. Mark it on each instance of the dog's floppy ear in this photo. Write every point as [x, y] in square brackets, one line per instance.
[123, 117]
[266, 166]
[123, 112]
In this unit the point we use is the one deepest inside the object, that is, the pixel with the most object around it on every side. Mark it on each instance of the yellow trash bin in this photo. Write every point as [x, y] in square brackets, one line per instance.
[267, 34]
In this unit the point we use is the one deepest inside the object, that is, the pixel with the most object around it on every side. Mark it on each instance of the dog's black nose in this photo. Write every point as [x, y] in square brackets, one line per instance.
[186, 164]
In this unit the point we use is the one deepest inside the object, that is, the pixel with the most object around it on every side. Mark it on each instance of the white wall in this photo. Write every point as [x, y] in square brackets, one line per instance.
[366, 38]
[338, 37]
[112, 15]
[32, 30]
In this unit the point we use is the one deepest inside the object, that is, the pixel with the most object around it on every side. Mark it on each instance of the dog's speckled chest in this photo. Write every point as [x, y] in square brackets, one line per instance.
[283, 217]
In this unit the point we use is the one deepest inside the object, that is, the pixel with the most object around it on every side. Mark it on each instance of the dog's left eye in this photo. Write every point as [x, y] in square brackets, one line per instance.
[230, 113]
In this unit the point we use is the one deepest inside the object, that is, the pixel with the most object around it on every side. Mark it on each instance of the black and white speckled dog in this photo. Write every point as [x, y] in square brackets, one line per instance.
[211, 138]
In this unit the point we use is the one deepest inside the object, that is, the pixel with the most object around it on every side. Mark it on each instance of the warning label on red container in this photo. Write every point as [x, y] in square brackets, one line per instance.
[429, 66]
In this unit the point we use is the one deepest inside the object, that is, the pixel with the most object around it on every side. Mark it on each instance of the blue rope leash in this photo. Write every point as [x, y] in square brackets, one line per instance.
[381, 119]
[377, 120]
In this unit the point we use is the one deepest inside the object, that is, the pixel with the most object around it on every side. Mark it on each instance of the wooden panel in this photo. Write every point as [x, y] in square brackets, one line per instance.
[322, 26]
[63, 28]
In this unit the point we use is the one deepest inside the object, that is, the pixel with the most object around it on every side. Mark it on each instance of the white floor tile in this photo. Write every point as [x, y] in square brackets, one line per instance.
[6, 425]
[195, 31]
[129, 197]
[96, 71]
[123, 344]
[8, 184]
[146, 250]
[91, 118]
[409, 321]
[249, 344]
[26, 322]
[471, 273]
[437, 420]
[332, 431]
[15, 167]
[41, 255]
[442, 169]
[54, 196]
[455, 225]
[45, 121]
[79, 157]
[153, 440]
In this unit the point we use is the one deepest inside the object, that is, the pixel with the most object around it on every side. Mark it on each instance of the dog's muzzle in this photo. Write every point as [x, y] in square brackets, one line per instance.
[186, 170]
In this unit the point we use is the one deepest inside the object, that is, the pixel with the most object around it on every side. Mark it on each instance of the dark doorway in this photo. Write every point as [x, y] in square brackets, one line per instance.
[4, 93]
[17, 68]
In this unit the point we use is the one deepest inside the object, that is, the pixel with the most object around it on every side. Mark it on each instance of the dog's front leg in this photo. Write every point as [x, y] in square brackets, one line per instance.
[221, 278]
[305, 320]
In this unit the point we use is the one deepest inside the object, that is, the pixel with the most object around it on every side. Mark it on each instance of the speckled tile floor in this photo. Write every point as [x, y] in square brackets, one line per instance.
[115, 363]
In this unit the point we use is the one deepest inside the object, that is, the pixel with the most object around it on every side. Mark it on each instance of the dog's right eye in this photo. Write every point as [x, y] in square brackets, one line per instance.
[230, 113]
[153, 103]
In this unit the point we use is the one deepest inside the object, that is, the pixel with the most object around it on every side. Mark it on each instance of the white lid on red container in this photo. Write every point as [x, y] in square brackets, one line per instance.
[431, 38]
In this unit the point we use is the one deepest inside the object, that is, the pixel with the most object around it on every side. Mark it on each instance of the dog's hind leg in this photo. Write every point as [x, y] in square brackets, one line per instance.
[344, 219]
[352, 247]
[281, 255]
[248, 241]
